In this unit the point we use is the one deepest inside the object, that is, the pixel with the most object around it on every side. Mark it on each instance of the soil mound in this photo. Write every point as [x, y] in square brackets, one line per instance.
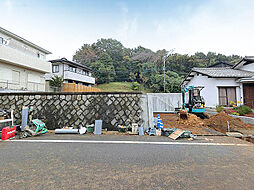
[219, 123]
[192, 120]
[193, 123]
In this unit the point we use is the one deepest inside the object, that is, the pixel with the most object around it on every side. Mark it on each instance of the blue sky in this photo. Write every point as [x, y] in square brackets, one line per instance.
[188, 26]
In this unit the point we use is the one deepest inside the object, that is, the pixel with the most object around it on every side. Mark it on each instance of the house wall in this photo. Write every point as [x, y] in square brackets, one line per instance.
[20, 59]
[17, 78]
[211, 92]
[22, 47]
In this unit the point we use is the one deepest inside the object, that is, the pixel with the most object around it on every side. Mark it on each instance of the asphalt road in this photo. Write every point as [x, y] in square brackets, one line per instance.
[77, 165]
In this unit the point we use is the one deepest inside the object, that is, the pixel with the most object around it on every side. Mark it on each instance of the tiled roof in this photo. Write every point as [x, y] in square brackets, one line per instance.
[70, 62]
[223, 72]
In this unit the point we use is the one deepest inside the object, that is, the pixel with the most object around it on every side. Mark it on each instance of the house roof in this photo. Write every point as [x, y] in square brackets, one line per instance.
[244, 61]
[71, 63]
[220, 72]
[221, 64]
[23, 40]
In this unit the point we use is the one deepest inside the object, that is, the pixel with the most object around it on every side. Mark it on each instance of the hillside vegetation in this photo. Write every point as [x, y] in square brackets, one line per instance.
[112, 62]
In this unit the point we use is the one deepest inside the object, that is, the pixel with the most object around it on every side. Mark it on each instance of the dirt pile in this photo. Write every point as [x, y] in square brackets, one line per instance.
[193, 123]
[192, 120]
[219, 123]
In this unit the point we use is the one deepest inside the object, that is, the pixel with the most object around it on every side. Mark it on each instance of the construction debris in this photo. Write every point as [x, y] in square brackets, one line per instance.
[90, 128]
[66, 131]
[234, 134]
[140, 131]
[122, 129]
[176, 134]
[98, 127]
[82, 130]
[151, 131]
[134, 129]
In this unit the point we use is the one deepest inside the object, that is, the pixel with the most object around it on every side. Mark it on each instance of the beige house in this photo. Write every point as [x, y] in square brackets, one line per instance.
[71, 72]
[22, 64]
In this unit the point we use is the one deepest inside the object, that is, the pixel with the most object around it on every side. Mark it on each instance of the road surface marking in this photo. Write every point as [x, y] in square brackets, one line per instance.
[130, 142]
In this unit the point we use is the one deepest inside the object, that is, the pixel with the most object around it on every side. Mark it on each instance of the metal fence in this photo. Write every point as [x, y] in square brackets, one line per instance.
[12, 85]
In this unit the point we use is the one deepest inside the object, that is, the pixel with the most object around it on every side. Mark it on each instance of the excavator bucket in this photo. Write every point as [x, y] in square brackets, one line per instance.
[183, 114]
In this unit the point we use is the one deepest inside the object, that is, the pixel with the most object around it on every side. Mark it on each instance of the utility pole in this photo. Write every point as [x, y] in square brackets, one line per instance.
[168, 53]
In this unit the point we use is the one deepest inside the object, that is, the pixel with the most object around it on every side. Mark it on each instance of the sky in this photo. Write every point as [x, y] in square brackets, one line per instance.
[187, 26]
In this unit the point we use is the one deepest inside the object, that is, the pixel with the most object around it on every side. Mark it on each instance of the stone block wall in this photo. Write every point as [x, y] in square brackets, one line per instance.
[77, 109]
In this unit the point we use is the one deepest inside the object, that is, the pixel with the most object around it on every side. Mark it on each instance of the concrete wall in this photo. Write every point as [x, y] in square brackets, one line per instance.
[17, 78]
[211, 91]
[79, 109]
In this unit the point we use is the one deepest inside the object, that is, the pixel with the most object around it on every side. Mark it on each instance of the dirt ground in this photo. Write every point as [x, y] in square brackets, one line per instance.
[194, 124]
[217, 122]
[220, 122]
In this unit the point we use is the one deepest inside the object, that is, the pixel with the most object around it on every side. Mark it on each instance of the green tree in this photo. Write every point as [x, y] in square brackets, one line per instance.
[103, 73]
[56, 82]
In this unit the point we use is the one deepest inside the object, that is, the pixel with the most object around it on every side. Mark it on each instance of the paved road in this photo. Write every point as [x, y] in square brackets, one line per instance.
[80, 165]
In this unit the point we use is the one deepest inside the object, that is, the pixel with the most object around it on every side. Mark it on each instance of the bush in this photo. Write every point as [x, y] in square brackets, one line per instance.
[242, 110]
[220, 108]
[135, 86]
[234, 113]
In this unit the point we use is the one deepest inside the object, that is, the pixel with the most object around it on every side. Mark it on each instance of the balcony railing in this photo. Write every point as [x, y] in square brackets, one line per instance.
[68, 75]
[6, 85]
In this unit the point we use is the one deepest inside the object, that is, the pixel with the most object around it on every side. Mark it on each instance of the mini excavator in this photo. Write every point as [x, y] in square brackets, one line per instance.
[193, 102]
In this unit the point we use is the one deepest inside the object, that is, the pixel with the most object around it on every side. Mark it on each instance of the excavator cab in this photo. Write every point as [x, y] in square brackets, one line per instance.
[193, 102]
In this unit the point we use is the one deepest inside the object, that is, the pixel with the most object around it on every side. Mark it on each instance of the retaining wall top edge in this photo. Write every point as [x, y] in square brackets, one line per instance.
[64, 93]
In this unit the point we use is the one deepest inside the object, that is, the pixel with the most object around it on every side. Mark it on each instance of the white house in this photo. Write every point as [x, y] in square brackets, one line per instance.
[71, 72]
[22, 64]
[224, 83]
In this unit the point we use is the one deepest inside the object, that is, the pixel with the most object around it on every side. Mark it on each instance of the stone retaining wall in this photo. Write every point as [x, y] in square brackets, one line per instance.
[77, 109]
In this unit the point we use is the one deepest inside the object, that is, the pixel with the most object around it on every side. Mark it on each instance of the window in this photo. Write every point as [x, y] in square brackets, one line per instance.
[84, 72]
[38, 55]
[15, 77]
[73, 69]
[1, 40]
[55, 68]
[226, 95]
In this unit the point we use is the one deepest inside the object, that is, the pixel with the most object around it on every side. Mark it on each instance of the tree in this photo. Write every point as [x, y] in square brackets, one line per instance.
[85, 55]
[111, 61]
[103, 73]
[56, 82]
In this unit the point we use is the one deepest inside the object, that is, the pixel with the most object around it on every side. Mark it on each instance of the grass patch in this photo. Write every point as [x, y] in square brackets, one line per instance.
[120, 87]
